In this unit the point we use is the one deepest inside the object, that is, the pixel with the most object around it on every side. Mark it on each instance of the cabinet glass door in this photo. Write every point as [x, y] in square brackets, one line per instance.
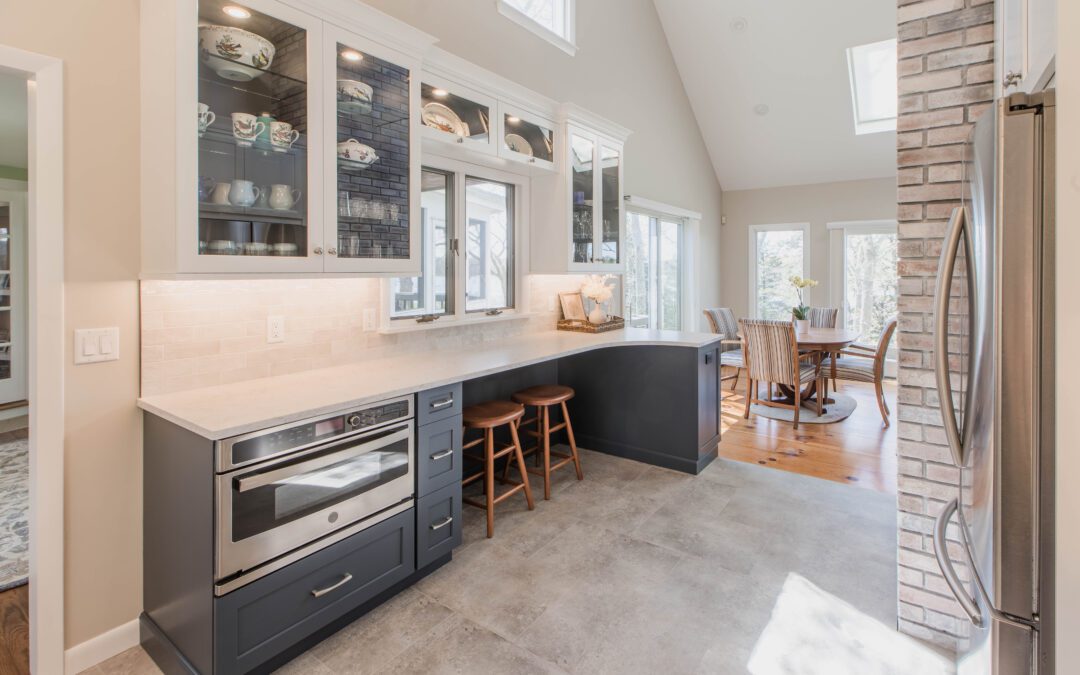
[453, 115]
[253, 133]
[582, 153]
[611, 205]
[527, 141]
[374, 161]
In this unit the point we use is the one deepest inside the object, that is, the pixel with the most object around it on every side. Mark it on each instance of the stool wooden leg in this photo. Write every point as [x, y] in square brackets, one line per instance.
[547, 455]
[573, 443]
[521, 466]
[489, 479]
[537, 459]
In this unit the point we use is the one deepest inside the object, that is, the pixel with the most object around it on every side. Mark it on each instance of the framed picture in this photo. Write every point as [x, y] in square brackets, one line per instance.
[573, 308]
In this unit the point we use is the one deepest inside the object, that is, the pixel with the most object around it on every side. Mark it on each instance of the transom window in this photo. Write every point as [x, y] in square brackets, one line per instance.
[872, 70]
[552, 20]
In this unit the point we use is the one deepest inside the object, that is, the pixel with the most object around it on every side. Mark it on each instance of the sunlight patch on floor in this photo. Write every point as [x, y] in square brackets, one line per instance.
[812, 632]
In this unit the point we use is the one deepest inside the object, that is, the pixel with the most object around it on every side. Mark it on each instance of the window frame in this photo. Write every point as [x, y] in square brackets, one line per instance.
[690, 221]
[567, 41]
[427, 256]
[870, 126]
[752, 265]
[459, 171]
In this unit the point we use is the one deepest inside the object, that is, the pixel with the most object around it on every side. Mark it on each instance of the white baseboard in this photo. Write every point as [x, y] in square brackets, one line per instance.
[95, 650]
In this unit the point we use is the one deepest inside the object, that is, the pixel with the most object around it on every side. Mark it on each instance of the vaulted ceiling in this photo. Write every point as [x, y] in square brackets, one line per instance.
[768, 82]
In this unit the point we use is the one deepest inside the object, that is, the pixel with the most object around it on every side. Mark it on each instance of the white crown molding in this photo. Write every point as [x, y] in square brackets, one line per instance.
[571, 112]
[97, 649]
[366, 20]
[442, 63]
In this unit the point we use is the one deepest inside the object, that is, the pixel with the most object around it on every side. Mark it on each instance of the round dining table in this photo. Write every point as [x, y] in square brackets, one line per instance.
[817, 342]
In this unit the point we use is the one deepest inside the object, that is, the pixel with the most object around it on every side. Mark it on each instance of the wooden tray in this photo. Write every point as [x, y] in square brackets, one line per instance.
[613, 323]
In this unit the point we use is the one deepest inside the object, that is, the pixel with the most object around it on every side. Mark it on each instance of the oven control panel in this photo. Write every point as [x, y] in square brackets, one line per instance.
[260, 445]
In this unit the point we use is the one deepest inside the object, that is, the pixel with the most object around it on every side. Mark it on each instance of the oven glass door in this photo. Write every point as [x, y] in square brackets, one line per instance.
[276, 507]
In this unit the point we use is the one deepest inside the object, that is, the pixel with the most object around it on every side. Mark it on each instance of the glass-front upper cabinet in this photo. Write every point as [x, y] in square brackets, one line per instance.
[595, 178]
[526, 138]
[453, 114]
[374, 166]
[611, 204]
[583, 181]
[255, 138]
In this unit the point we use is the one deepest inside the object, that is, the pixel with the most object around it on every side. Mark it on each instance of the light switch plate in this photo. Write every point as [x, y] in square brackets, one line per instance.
[94, 345]
[275, 329]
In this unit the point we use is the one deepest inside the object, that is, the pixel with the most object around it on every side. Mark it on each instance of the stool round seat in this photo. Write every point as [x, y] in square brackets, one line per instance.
[544, 394]
[491, 414]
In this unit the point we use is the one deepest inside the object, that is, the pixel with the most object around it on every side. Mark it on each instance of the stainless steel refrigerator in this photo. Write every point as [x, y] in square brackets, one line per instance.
[994, 362]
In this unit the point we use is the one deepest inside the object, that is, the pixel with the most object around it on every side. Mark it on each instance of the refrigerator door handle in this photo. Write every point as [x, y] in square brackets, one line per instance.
[942, 296]
[941, 552]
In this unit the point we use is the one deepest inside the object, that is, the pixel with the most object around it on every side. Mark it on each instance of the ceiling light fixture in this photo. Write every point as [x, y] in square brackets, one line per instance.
[513, 120]
[739, 24]
[236, 12]
[761, 109]
[441, 93]
[352, 55]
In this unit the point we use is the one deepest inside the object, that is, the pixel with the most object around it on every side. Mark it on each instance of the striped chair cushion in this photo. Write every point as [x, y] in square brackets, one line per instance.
[771, 353]
[851, 368]
[722, 322]
[823, 317]
[732, 358]
[807, 374]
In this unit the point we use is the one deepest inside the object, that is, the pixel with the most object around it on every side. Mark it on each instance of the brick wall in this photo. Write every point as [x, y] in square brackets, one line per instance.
[946, 74]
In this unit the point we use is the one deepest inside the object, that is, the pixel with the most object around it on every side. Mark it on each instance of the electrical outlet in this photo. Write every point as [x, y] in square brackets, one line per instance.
[275, 329]
[369, 320]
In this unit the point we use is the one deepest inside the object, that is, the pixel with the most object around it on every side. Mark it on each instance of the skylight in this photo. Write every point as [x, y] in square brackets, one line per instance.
[872, 69]
[552, 20]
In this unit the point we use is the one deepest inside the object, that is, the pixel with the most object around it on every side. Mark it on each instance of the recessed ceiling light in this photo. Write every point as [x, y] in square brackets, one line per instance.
[439, 92]
[512, 120]
[761, 109]
[236, 12]
[739, 24]
[352, 55]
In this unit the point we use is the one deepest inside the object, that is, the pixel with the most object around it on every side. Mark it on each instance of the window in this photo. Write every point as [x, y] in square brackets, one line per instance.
[872, 70]
[431, 292]
[468, 240]
[654, 271]
[777, 252]
[552, 20]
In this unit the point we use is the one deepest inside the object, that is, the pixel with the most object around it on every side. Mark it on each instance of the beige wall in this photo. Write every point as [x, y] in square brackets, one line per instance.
[815, 204]
[1068, 325]
[101, 243]
[623, 71]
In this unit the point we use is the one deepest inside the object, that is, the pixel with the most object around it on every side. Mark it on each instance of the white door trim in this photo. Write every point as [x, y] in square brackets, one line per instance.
[45, 348]
[752, 248]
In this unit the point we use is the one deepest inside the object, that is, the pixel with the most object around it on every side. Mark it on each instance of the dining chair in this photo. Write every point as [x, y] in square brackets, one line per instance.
[824, 317]
[722, 322]
[772, 356]
[865, 364]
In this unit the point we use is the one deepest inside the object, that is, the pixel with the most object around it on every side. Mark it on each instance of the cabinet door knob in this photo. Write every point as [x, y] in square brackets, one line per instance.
[332, 251]
[1011, 79]
[318, 250]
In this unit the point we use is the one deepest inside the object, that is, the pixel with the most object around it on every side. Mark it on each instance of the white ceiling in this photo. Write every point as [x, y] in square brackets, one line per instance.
[12, 120]
[789, 55]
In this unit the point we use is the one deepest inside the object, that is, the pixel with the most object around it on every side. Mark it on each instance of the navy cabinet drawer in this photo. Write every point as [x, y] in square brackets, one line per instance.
[257, 621]
[438, 524]
[438, 404]
[438, 455]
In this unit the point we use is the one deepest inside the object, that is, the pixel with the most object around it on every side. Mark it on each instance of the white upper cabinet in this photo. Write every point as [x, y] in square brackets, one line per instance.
[272, 151]
[577, 215]
[457, 115]
[1026, 44]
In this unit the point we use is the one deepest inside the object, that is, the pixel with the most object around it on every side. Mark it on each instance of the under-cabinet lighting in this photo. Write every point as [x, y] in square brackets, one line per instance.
[439, 92]
[513, 120]
[236, 12]
[351, 55]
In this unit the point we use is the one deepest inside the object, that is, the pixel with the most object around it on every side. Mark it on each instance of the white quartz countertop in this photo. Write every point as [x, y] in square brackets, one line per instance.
[227, 410]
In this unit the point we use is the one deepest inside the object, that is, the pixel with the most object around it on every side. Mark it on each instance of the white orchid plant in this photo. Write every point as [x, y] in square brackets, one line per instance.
[596, 288]
[802, 311]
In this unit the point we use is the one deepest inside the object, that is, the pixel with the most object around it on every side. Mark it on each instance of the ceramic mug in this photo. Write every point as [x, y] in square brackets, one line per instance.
[282, 197]
[206, 118]
[220, 194]
[282, 136]
[243, 193]
[246, 128]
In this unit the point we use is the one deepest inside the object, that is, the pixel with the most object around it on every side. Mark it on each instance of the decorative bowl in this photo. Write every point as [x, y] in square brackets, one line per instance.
[241, 55]
[354, 153]
[354, 96]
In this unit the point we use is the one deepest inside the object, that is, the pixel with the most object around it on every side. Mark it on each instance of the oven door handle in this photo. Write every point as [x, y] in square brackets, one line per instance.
[262, 478]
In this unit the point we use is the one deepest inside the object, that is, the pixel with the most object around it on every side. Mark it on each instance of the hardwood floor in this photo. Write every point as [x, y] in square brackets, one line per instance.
[858, 450]
[15, 631]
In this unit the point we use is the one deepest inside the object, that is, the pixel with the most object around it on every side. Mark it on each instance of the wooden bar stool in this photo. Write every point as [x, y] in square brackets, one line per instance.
[488, 416]
[542, 397]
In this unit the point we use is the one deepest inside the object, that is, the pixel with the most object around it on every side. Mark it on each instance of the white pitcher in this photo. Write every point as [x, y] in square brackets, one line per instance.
[283, 197]
[243, 193]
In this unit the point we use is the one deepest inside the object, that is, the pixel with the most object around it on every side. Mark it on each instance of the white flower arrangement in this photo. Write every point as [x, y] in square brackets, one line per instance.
[596, 287]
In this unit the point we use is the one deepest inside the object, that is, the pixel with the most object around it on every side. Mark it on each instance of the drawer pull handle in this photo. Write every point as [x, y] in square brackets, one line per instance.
[446, 521]
[442, 455]
[445, 403]
[319, 592]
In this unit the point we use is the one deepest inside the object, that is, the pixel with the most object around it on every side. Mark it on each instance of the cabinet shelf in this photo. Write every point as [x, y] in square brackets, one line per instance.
[378, 113]
[230, 212]
[271, 85]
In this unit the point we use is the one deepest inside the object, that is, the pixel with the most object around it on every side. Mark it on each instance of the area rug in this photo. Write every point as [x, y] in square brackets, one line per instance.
[812, 632]
[839, 410]
[14, 513]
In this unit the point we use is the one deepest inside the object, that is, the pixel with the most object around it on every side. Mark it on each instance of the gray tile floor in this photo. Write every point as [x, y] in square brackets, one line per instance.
[634, 570]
